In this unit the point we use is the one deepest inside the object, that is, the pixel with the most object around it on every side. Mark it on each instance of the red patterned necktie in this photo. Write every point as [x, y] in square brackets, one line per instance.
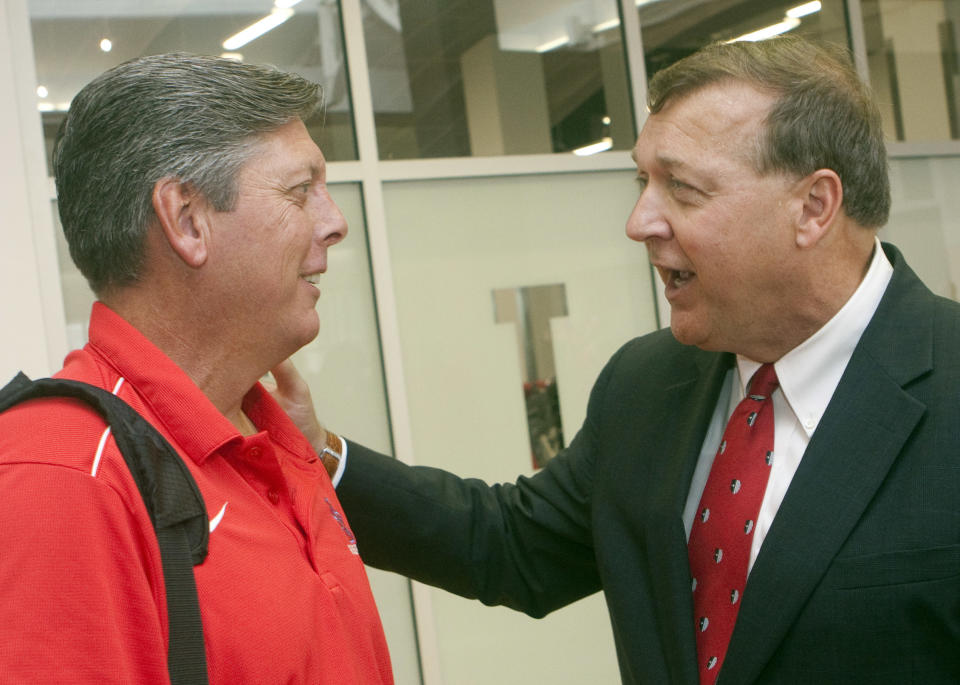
[722, 532]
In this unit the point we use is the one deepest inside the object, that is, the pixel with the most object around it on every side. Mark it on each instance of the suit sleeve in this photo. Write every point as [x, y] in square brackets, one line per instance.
[527, 545]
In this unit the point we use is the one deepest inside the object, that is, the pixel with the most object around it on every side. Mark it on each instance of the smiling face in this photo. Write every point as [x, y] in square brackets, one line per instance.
[720, 235]
[270, 249]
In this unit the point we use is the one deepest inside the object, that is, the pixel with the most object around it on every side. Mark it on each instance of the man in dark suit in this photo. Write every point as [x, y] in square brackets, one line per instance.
[763, 180]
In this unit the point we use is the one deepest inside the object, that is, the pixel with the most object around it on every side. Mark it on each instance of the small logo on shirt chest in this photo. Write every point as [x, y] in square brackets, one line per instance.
[338, 517]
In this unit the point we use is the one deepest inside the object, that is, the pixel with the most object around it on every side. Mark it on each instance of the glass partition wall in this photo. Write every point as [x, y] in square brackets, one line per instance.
[76, 40]
[479, 150]
[455, 78]
[911, 50]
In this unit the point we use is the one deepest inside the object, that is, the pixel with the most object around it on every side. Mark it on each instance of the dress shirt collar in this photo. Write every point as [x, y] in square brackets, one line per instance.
[810, 372]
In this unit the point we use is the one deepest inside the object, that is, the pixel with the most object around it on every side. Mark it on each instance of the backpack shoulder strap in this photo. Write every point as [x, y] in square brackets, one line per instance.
[172, 499]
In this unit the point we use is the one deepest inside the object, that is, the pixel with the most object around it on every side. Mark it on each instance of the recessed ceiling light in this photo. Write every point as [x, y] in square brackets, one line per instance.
[106, 45]
[605, 25]
[804, 9]
[604, 143]
[276, 17]
[553, 44]
[788, 24]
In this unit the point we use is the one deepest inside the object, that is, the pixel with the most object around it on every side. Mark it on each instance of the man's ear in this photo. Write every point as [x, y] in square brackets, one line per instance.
[181, 213]
[821, 195]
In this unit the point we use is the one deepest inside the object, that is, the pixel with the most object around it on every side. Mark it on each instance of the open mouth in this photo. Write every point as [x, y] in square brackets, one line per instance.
[678, 279]
[675, 278]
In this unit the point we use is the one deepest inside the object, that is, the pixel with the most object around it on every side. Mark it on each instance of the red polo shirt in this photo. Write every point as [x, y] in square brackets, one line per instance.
[284, 597]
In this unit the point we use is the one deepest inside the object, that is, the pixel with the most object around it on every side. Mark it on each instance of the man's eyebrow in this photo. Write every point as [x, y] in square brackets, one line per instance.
[296, 175]
[671, 162]
[663, 160]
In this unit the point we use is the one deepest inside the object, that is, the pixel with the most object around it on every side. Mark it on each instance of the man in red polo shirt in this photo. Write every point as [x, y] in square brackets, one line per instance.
[194, 201]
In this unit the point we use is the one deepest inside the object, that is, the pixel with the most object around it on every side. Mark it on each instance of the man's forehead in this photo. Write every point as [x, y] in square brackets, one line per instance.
[721, 115]
[288, 150]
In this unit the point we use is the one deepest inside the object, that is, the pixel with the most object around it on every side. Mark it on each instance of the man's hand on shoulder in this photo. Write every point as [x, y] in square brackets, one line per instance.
[292, 393]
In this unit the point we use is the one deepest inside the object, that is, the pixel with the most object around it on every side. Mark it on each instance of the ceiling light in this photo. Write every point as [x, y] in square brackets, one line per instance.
[276, 17]
[42, 91]
[804, 9]
[609, 24]
[788, 24]
[553, 44]
[594, 148]
[106, 45]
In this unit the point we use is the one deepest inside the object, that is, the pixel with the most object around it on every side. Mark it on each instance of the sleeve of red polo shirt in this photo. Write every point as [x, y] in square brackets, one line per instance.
[78, 593]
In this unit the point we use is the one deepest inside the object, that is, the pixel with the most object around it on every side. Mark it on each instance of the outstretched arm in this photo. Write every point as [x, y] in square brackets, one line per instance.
[527, 545]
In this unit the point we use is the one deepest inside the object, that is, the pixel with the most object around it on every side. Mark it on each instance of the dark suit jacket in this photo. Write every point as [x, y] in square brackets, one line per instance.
[858, 580]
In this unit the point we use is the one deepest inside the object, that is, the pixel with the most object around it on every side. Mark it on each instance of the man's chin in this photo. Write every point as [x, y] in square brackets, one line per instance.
[311, 332]
[306, 332]
[686, 333]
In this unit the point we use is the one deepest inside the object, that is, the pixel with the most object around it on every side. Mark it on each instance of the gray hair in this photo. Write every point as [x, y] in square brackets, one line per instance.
[824, 116]
[177, 115]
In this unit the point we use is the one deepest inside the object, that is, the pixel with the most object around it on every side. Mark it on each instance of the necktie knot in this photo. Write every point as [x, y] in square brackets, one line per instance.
[764, 381]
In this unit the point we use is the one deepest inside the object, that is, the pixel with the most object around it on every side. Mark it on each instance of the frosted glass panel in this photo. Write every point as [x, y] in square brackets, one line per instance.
[453, 245]
[914, 70]
[925, 219]
[343, 362]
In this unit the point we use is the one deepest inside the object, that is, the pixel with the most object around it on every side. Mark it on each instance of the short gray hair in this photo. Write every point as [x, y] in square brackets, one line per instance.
[177, 115]
[824, 116]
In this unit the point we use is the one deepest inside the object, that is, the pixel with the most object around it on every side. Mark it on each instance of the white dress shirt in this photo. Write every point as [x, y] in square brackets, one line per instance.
[808, 375]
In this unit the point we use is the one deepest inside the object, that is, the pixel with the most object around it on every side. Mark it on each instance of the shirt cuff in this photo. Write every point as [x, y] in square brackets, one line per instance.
[341, 465]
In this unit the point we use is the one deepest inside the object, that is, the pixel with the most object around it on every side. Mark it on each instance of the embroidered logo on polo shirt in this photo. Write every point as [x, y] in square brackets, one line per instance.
[338, 517]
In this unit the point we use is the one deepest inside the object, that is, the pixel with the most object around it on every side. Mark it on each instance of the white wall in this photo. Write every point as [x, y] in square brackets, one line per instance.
[32, 334]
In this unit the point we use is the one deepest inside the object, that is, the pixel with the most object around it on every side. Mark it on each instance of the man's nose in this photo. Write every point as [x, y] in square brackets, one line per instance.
[648, 220]
[331, 227]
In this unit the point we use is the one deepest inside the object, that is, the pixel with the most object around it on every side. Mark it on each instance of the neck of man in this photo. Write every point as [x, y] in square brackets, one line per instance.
[824, 282]
[219, 360]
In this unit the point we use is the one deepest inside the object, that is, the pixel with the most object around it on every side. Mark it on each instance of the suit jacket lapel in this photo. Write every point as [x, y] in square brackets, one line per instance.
[688, 406]
[866, 423]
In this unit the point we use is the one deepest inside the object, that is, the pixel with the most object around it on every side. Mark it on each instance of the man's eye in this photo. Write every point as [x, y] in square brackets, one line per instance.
[686, 194]
[641, 183]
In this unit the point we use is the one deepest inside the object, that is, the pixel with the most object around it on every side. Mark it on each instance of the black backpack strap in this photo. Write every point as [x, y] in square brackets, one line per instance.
[173, 502]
